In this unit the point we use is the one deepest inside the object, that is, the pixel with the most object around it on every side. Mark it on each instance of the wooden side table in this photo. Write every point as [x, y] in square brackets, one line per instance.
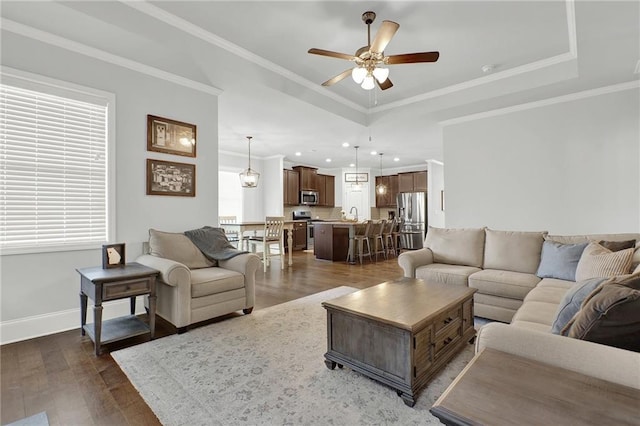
[497, 388]
[102, 285]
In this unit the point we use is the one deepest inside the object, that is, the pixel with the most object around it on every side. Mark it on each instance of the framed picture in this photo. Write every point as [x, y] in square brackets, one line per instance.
[170, 136]
[361, 177]
[169, 178]
[113, 255]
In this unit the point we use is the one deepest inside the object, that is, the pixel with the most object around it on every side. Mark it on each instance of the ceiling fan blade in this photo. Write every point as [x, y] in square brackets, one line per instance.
[337, 78]
[384, 36]
[385, 84]
[331, 54]
[409, 58]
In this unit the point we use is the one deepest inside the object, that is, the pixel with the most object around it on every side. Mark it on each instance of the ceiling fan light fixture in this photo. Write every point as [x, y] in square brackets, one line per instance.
[358, 74]
[368, 83]
[381, 74]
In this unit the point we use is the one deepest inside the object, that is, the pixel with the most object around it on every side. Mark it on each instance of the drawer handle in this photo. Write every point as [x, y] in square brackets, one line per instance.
[127, 288]
[447, 340]
[448, 320]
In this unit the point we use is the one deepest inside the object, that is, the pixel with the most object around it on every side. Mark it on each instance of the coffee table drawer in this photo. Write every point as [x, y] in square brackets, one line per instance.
[447, 318]
[125, 288]
[448, 337]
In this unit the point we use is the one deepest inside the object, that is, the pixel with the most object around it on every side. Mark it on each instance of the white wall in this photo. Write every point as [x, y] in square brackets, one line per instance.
[273, 184]
[570, 167]
[40, 291]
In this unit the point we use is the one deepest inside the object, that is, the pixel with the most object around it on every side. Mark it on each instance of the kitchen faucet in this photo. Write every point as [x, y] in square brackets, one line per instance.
[356, 209]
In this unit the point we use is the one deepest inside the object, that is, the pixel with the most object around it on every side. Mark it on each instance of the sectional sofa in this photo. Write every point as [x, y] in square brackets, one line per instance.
[504, 267]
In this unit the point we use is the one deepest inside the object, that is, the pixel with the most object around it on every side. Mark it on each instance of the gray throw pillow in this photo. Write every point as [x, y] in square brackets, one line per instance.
[560, 260]
[572, 301]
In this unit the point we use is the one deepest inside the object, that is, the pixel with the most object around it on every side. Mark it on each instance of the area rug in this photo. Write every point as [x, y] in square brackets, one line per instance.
[268, 368]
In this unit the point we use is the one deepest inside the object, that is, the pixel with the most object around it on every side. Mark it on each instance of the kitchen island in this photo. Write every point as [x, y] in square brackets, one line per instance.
[335, 240]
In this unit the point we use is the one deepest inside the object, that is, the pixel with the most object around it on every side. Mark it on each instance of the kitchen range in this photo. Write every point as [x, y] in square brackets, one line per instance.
[306, 215]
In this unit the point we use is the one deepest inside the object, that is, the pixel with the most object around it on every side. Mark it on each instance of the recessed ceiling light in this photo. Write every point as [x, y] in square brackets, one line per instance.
[352, 165]
[396, 159]
[487, 68]
[345, 144]
[298, 154]
[328, 160]
[373, 152]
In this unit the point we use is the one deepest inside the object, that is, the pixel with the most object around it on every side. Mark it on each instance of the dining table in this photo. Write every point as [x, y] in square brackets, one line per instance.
[254, 226]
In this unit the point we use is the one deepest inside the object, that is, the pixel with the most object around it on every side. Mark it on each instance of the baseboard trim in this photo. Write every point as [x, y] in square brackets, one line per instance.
[56, 322]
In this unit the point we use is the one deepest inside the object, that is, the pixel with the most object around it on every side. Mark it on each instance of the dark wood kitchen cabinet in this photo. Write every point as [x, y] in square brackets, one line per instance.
[389, 198]
[308, 178]
[299, 236]
[412, 182]
[291, 187]
[326, 190]
[329, 242]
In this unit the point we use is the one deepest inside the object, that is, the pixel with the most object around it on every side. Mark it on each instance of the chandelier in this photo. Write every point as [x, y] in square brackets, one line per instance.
[381, 188]
[249, 178]
[356, 185]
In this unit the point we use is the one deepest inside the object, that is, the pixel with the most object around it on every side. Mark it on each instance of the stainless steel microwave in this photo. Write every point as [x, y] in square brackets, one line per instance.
[309, 198]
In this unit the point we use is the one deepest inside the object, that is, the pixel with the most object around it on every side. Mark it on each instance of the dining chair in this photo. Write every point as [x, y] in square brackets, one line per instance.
[232, 235]
[273, 234]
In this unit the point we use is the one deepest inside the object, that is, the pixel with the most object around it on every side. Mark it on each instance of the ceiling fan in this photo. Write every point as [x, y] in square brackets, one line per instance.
[369, 58]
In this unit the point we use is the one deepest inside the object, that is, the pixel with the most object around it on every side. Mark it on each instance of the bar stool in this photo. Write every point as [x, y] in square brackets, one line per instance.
[387, 236]
[362, 239]
[378, 238]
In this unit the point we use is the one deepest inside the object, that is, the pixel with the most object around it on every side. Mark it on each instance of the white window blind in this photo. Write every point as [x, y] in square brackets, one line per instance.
[53, 170]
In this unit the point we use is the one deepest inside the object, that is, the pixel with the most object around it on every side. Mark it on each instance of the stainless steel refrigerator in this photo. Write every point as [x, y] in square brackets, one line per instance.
[412, 212]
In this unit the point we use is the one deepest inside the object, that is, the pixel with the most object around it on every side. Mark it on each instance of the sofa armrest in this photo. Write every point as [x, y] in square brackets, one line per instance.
[592, 359]
[171, 272]
[410, 260]
[247, 264]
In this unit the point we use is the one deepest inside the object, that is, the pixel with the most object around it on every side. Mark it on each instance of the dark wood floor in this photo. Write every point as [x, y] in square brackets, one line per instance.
[61, 375]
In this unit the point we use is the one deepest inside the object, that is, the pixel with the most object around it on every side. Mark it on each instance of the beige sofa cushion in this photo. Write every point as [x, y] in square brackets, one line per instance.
[514, 285]
[463, 246]
[177, 247]
[445, 274]
[597, 261]
[208, 281]
[537, 312]
[513, 251]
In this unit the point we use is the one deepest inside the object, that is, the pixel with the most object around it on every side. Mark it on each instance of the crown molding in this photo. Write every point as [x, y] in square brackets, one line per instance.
[545, 102]
[572, 54]
[201, 33]
[243, 155]
[83, 49]
[196, 31]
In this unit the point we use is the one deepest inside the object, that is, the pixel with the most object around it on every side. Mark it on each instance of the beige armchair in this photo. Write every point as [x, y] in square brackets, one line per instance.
[190, 288]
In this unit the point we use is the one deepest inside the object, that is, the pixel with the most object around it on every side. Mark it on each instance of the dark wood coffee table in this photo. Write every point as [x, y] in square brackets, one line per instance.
[497, 388]
[400, 332]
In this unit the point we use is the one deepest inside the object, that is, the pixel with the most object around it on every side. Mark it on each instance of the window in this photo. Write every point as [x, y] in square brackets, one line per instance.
[229, 195]
[53, 165]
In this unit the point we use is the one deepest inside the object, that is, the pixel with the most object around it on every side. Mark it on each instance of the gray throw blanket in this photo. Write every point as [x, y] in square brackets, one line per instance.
[213, 243]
